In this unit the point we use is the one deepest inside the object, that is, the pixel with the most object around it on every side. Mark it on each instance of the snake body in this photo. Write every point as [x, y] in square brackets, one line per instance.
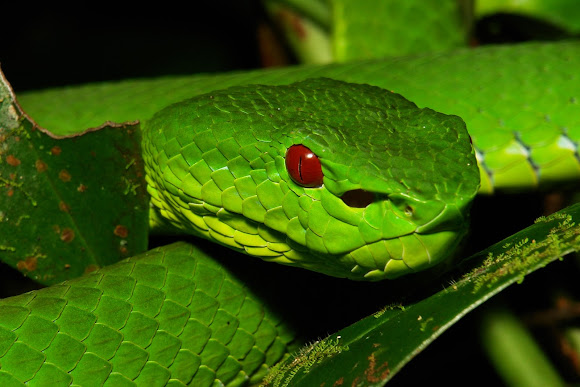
[165, 318]
[155, 320]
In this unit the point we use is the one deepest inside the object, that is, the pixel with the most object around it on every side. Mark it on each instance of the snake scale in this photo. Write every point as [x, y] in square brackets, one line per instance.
[217, 167]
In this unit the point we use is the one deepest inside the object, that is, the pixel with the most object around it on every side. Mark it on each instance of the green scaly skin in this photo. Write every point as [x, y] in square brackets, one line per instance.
[215, 168]
[535, 145]
[171, 318]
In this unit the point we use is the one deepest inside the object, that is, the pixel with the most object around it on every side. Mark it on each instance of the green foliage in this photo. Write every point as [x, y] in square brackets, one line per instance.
[68, 205]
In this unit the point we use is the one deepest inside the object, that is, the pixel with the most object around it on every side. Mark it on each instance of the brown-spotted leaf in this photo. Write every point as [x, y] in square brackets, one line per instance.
[68, 204]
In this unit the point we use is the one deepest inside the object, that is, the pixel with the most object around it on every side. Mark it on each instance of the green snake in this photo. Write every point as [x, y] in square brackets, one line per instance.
[236, 179]
[321, 167]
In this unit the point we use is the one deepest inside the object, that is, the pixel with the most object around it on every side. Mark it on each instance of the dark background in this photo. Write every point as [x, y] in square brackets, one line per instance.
[55, 46]
[49, 46]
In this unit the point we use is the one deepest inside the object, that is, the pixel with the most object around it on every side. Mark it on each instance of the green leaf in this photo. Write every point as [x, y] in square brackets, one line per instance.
[373, 350]
[68, 204]
[517, 357]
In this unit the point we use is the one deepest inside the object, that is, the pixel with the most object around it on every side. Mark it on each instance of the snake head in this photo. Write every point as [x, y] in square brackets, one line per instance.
[346, 179]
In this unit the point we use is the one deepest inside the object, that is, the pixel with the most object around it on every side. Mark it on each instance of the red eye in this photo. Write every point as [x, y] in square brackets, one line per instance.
[303, 166]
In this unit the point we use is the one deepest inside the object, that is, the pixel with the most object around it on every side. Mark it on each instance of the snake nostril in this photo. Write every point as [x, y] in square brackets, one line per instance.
[358, 198]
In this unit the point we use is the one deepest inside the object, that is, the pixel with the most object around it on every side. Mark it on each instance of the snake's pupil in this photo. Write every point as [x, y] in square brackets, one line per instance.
[303, 166]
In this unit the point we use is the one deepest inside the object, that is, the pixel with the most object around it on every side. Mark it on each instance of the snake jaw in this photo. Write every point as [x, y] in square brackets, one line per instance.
[390, 236]
[426, 233]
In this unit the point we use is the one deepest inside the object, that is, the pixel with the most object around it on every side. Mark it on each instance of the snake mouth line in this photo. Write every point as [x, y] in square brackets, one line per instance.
[392, 258]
